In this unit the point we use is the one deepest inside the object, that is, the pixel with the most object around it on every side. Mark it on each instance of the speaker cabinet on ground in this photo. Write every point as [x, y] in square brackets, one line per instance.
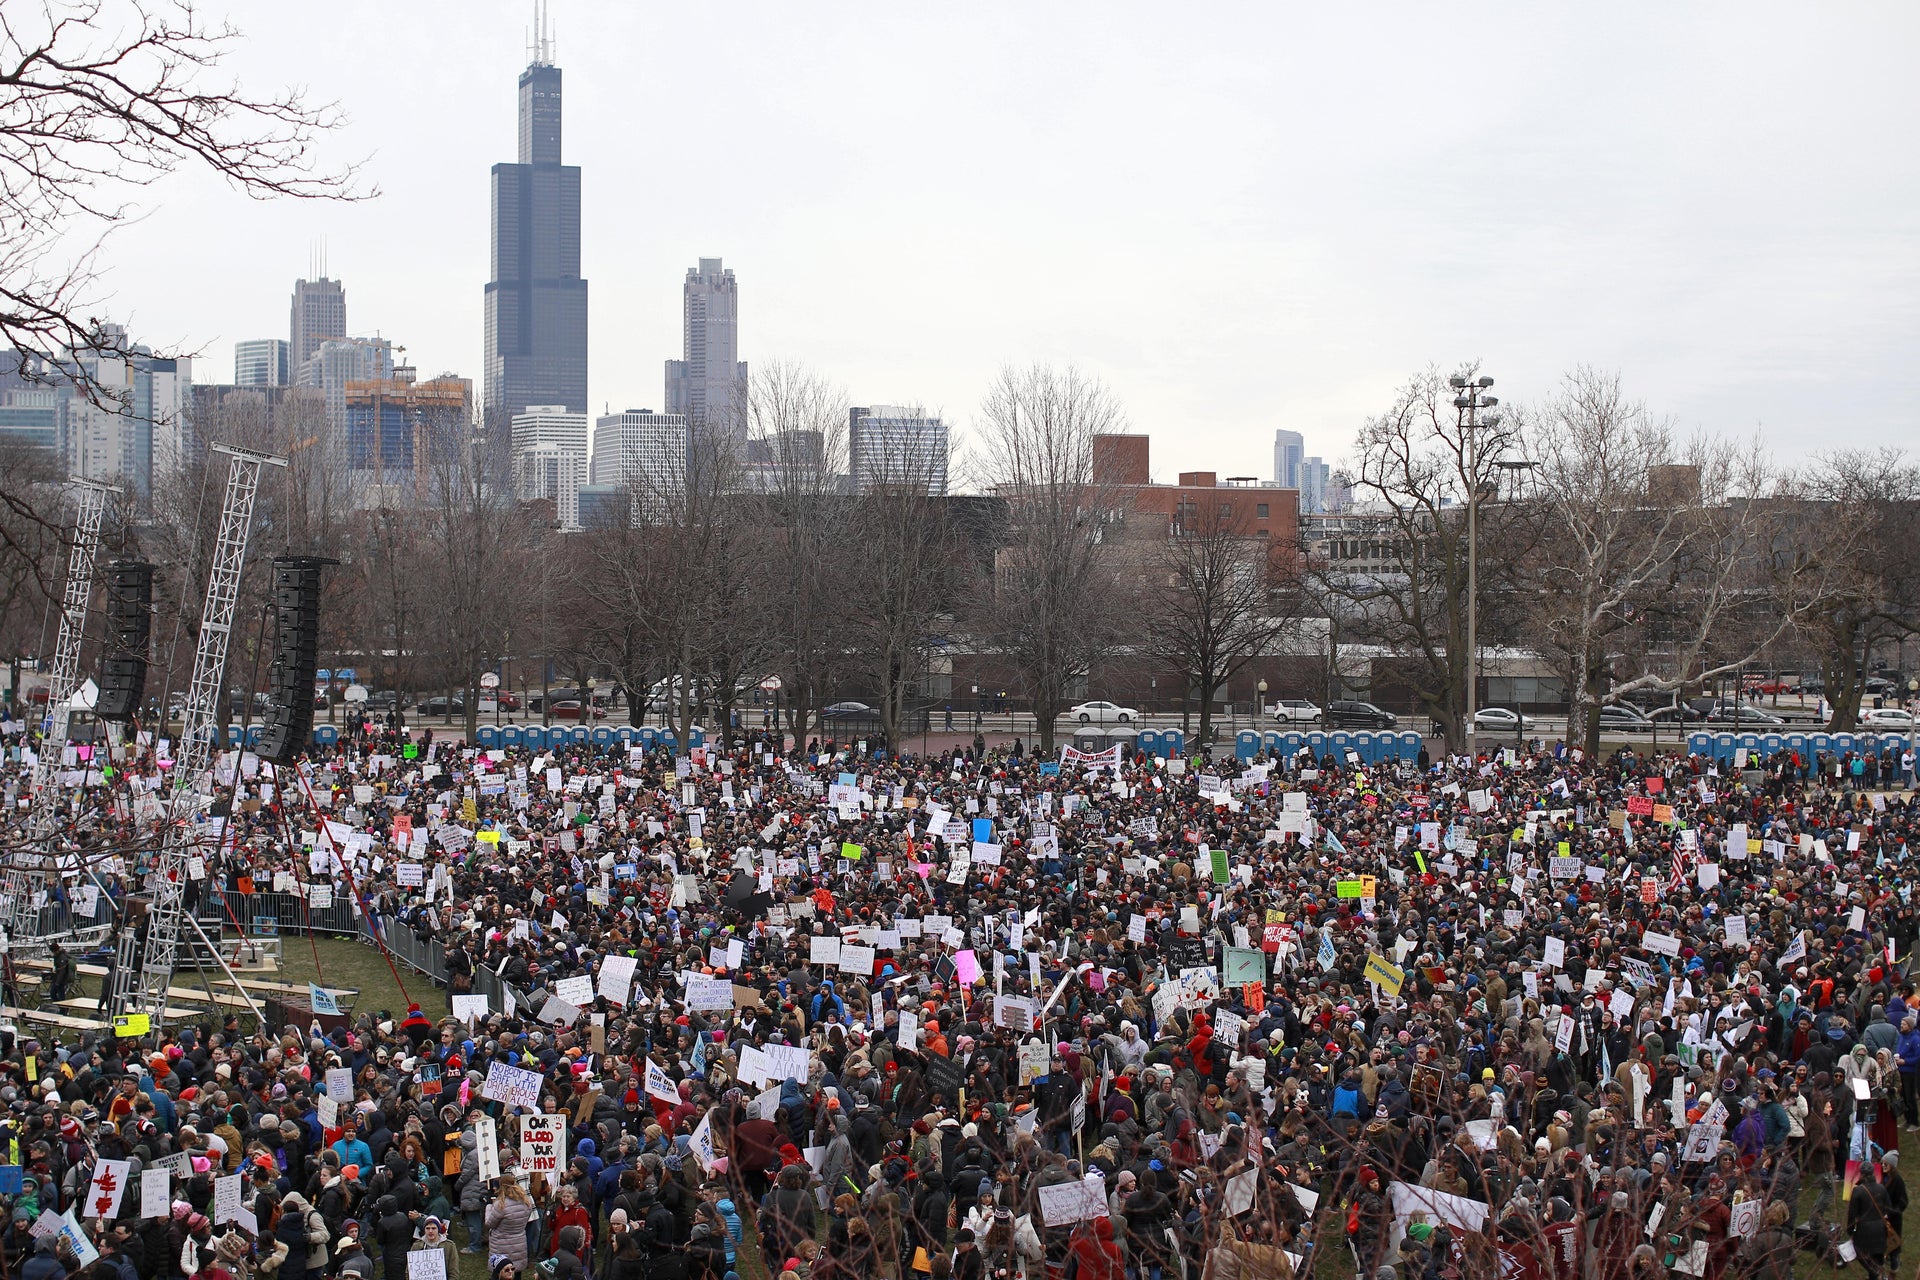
[123, 662]
[288, 722]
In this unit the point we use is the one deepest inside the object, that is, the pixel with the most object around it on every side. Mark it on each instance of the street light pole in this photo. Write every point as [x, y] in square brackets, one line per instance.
[1470, 401]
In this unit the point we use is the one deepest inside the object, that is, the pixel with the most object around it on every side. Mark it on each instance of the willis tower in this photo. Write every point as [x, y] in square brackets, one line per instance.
[536, 352]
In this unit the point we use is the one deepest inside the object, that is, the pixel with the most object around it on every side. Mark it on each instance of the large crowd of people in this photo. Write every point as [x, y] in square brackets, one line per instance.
[773, 1009]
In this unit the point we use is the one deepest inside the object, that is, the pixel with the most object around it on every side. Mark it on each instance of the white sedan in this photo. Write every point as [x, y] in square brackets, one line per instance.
[1103, 713]
[1499, 718]
[1888, 717]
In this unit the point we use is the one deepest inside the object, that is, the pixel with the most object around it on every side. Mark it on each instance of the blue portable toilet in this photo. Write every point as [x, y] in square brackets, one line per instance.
[1246, 744]
[512, 736]
[603, 738]
[1797, 742]
[1771, 743]
[487, 736]
[1172, 743]
[1699, 744]
[1148, 741]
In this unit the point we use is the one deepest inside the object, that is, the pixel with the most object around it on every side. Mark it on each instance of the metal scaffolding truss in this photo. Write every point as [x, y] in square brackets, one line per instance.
[26, 870]
[147, 948]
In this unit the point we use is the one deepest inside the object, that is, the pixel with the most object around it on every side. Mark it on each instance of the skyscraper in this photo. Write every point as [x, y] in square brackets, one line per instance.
[263, 362]
[1289, 447]
[536, 303]
[1314, 478]
[142, 431]
[543, 436]
[708, 386]
[319, 313]
[338, 361]
[644, 453]
[896, 449]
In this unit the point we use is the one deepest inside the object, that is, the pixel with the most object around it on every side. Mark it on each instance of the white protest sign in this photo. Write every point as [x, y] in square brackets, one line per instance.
[226, 1198]
[470, 1008]
[104, 1193]
[512, 1085]
[616, 978]
[543, 1143]
[156, 1197]
[1079, 1201]
[576, 991]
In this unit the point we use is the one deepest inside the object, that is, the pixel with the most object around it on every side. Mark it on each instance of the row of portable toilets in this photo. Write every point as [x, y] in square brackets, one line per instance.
[1372, 747]
[1759, 746]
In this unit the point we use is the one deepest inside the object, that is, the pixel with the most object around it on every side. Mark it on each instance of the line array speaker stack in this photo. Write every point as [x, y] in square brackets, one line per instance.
[123, 664]
[288, 722]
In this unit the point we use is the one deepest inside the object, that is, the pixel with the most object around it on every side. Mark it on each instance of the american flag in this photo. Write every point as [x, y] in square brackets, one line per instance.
[1682, 859]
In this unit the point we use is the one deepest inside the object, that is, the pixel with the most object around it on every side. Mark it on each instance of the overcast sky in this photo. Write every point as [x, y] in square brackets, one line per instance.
[1242, 218]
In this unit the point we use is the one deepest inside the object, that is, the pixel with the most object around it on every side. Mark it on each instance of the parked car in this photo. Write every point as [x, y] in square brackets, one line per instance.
[1810, 684]
[1890, 717]
[1500, 718]
[571, 709]
[1778, 684]
[1295, 711]
[1742, 713]
[846, 711]
[508, 700]
[382, 700]
[1103, 713]
[1677, 713]
[1616, 716]
[1358, 715]
[441, 706]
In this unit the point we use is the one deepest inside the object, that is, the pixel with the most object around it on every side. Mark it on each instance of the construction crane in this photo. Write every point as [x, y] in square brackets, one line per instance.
[149, 939]
[27, 869]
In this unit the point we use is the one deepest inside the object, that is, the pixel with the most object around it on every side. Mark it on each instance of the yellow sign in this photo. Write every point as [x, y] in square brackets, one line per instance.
[1347, 889]
[1386, 976]
[1369, 887]
[487, 837]
[129, 1025]
[469, 811]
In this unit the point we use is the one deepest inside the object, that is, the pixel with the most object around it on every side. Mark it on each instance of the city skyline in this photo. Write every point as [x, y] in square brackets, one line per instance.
[1438, 227]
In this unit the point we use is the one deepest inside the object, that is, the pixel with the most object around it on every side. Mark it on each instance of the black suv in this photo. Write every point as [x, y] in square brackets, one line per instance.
[1357, 715]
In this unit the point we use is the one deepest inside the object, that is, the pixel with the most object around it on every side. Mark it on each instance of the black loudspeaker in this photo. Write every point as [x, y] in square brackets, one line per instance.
[288, 721]
[123, 662]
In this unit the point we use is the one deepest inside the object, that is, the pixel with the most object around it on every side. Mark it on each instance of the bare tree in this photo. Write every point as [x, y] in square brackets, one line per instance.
[99, 98]
[905, 569]
[478, 549]
[1215, 596]
[1651, 564]
[30, 556]
[1053, 608]
[681, 575]
[1417, 465]
[799, 437]
[1851, 549]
